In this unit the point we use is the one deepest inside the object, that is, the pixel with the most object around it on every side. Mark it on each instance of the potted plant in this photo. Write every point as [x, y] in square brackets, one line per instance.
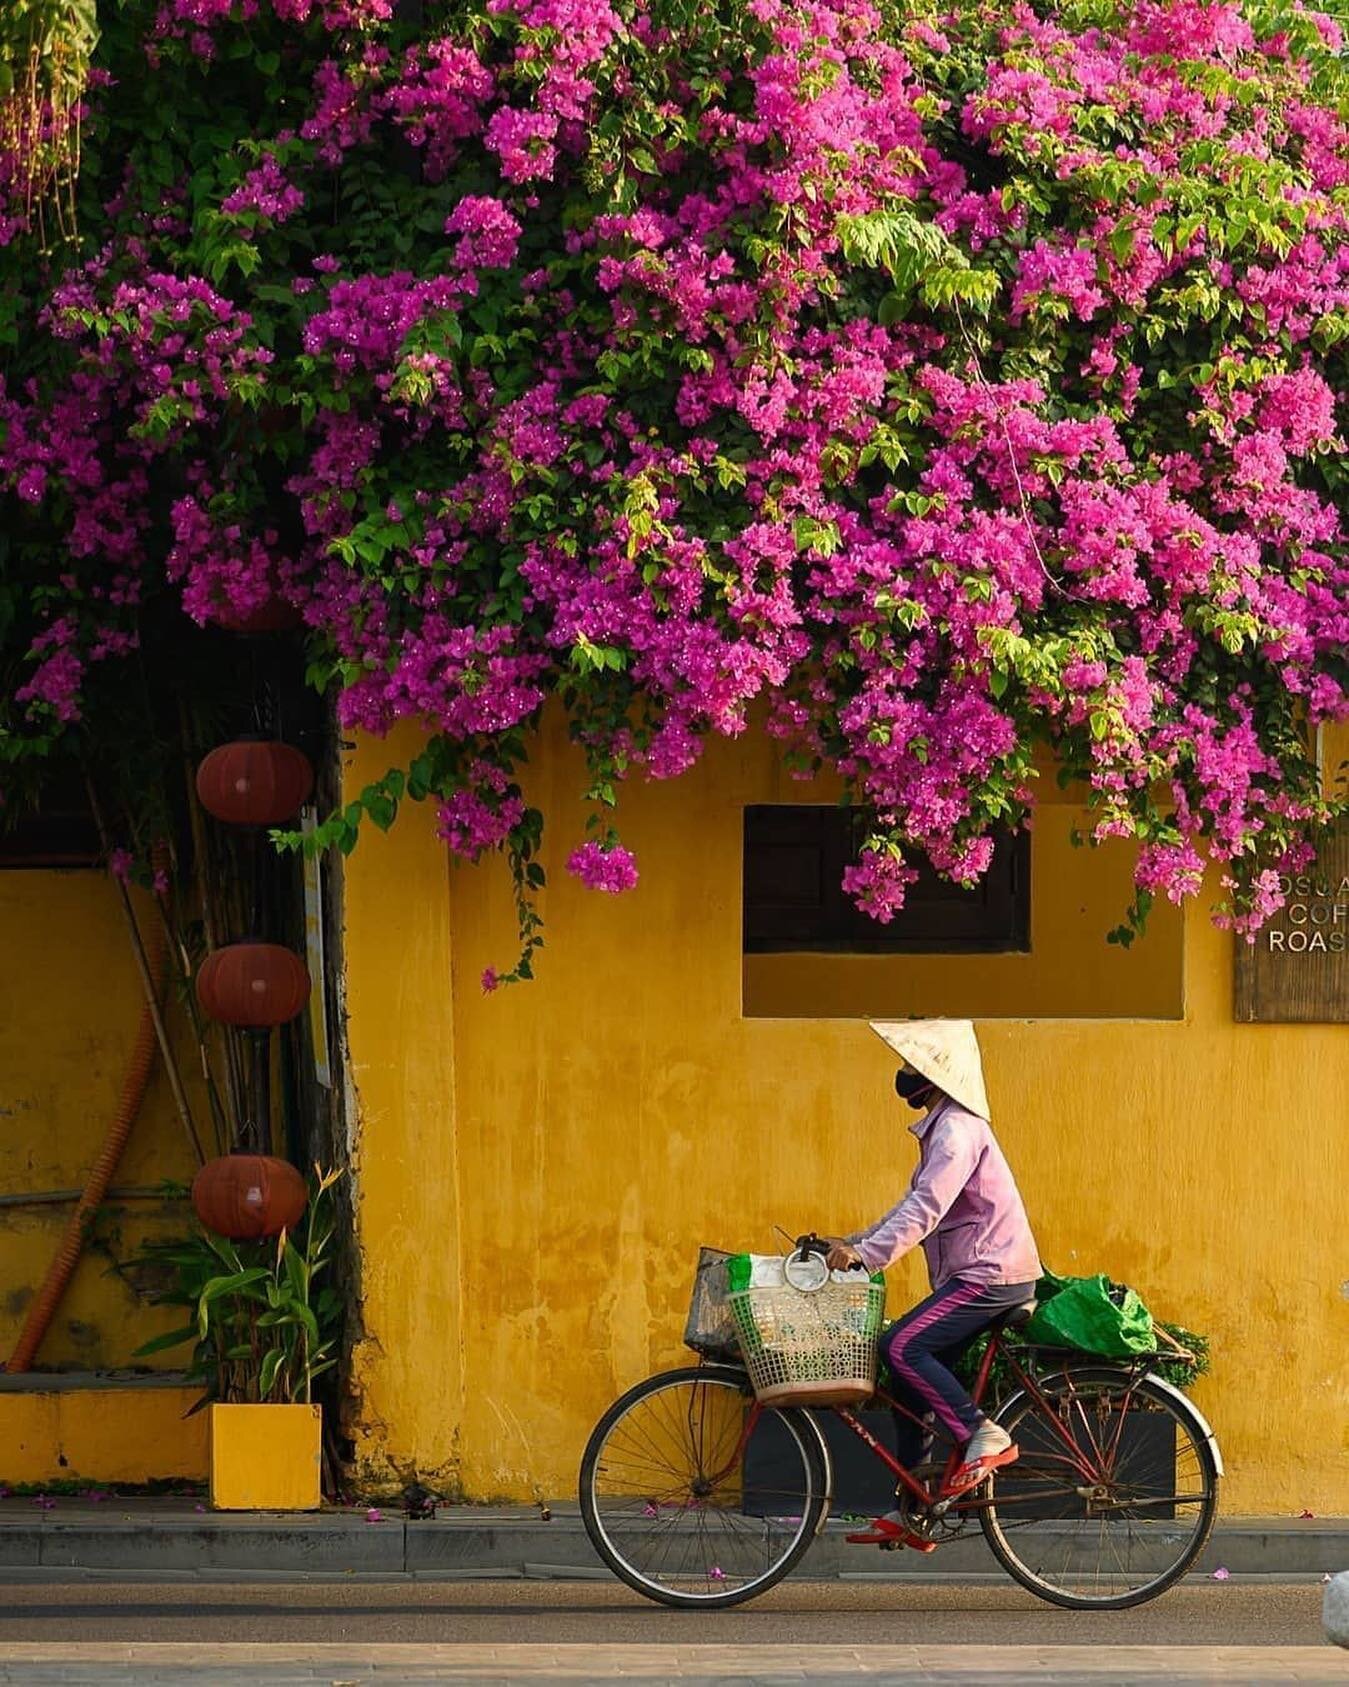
[263, 1328]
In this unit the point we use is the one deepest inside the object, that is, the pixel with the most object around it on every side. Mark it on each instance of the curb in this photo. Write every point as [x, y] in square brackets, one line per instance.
[461, 1544]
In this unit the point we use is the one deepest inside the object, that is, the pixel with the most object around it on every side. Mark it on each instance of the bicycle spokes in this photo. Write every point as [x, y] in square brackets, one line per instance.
[1115, 1486]
[698, 1493]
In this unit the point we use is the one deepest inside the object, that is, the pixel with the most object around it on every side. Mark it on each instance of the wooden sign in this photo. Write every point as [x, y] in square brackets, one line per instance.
[1297, 970]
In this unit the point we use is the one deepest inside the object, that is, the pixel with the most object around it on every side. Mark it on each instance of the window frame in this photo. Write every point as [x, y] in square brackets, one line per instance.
[939, 918]
[59, 833]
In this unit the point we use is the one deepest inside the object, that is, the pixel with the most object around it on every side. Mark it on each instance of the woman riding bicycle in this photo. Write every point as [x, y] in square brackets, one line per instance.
[962, 1205]
[703, 1486]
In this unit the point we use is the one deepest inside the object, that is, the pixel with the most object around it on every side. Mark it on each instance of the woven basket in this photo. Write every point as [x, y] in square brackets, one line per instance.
[812, 1347]
[711, 1327]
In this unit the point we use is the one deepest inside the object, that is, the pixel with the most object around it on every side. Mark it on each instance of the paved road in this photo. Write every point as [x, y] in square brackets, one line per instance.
[487, 1632]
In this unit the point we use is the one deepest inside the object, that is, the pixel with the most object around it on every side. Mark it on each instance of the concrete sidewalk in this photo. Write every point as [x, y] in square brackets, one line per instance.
[686, 1666]
[163, 1538]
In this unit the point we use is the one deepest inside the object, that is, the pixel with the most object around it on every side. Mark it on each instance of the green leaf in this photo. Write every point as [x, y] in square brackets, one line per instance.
[421, 777]
[171, 1338]
[271, 1364]
[235, 1283]
[380, 809]
[296, 1276]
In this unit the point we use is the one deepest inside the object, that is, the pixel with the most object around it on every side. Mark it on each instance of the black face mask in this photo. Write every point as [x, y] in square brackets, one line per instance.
[913, 1087]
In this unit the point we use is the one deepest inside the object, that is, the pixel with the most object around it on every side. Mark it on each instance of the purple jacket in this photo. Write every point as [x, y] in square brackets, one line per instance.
[962, 1205]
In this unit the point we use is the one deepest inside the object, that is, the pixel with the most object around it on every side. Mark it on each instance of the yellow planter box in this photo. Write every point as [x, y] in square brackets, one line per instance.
[265, 1458]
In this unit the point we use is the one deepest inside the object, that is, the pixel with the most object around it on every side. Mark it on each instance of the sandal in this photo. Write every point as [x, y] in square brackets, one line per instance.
[882, 1532]
[976, 1471]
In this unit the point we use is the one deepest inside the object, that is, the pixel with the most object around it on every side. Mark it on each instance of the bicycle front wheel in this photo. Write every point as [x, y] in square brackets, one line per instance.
[1113, 1495]
[694, 1495]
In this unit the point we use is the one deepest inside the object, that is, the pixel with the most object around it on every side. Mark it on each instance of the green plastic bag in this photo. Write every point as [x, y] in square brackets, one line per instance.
[1091, 1314]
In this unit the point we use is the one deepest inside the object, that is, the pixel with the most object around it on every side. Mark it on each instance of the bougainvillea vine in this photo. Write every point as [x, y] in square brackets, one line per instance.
[924, 388]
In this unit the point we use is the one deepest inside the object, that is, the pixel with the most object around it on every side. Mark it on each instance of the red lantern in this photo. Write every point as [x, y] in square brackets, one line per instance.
[273, 616]
[255, 984]
[254, 782]
[244, 1196]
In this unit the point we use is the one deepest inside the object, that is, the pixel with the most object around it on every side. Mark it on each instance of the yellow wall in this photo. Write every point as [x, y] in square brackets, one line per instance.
[410, 1364]
[1077, 895]
[101, 1435]
[70, 1002]
[537, 1168]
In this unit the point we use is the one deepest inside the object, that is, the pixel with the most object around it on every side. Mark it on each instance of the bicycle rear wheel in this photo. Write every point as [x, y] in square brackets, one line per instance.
[1114, 1493]
[694, 1495]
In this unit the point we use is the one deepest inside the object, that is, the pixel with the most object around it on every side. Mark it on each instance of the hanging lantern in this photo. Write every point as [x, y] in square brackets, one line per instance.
[255, 984]
[245, 1196]
[275, 615]
[254, 782]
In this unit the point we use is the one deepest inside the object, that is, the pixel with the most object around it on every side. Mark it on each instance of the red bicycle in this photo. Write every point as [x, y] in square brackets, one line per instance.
[697, 1495]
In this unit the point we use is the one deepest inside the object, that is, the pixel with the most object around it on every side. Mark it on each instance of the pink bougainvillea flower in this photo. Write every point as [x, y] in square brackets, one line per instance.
[612, 868]
[905, 388]
[488, 234]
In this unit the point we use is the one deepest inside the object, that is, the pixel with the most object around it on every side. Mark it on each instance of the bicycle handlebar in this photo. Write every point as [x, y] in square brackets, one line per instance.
[813, 1244]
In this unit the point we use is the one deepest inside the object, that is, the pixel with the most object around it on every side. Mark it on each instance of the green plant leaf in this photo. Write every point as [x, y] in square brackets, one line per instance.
[171, 1338]
[271, 1363]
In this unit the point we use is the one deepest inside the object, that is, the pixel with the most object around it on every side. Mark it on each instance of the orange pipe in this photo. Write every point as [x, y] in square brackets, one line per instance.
[59, 1273]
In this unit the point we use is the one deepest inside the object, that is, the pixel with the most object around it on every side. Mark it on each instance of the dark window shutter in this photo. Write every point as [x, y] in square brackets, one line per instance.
[795, 856]
[59, 832]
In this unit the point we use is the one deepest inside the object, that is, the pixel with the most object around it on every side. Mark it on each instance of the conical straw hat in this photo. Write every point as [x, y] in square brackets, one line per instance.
[945, 1050]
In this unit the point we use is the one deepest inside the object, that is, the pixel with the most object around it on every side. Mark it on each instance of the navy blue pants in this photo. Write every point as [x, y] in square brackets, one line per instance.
[922, 1346]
